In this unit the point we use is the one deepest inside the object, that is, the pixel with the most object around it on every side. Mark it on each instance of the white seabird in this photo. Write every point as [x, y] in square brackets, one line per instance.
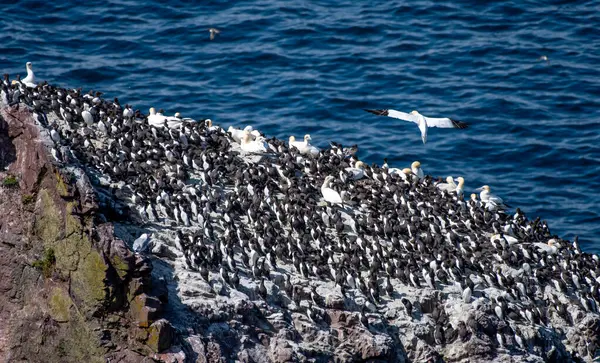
[174, 121]
[209, 125]
[422, 121]
[213, 33]
[252, 146]
[358, 171]
[492, 202]
[416, 169]
[460, 187]
[156, 119]
[237, 134]
[29, 81]
[303, 146]
[330, 195]
[448, 186]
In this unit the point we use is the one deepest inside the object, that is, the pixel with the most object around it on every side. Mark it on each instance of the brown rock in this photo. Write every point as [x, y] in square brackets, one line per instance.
[213, 352]
[334, 301]
[281, 351]
[145, 309]
[160, 335]
[198, 351]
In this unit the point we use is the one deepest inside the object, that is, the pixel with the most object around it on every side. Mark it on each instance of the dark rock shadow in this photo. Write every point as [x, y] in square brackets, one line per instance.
[8, 152]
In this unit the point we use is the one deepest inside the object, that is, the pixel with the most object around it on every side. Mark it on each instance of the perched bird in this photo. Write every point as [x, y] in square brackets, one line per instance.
[492, 202]
[253, 146]
[303, 146]
[357, 172]
[416, 169]
[29, 81]
[422, 121]
[330, 195]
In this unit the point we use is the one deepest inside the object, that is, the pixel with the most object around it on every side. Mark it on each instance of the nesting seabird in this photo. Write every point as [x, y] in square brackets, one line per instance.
[252, 146]
[237, 134]
[357, 172]
[156, 119]
[330, 195]
[29, 81]
[448, 186]
[422, 121]
[492, 202]
[416, 169]
[303, 146]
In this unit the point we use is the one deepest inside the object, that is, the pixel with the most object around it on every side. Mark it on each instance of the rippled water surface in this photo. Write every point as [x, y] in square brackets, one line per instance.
[296, 67]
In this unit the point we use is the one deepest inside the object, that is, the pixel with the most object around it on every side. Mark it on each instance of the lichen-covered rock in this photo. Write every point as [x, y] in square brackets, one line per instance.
[66, 315]
[60, 305]
[160, 335]
[145, 310]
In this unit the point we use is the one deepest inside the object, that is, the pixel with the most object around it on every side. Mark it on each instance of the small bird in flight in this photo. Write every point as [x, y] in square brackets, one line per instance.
[422, 121]
[213, 33]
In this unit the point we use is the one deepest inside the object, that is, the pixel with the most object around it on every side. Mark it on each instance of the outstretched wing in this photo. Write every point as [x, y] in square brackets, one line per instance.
[445, 122]
[395, 114]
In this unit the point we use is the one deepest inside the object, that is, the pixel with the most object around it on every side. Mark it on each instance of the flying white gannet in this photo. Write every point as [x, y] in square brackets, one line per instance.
[213, 33]
[29, 81]
[422, 121]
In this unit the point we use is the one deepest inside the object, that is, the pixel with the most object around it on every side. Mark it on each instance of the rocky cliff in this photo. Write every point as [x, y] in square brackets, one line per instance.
[72, 290]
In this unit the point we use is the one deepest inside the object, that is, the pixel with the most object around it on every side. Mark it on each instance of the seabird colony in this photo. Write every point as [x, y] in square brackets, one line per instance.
[377, 235]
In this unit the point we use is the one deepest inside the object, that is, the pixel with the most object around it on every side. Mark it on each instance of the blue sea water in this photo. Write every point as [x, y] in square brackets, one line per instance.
[296, 67]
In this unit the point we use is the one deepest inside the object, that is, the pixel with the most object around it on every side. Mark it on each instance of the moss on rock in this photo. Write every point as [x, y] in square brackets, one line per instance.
[60, 305]
[61, 187]
[88, 280]
[46, 263]
[48, 223]
[72, 223]
[79, 344]
[120, 266]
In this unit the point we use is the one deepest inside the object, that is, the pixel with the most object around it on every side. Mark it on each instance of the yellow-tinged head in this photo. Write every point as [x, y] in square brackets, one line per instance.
[152, 111]
[246, 138]
[292, 139]
[415, 165]
[359, 165]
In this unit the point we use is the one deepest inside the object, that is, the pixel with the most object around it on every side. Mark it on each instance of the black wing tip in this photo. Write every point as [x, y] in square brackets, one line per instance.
[377, 112]
[459, 124]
